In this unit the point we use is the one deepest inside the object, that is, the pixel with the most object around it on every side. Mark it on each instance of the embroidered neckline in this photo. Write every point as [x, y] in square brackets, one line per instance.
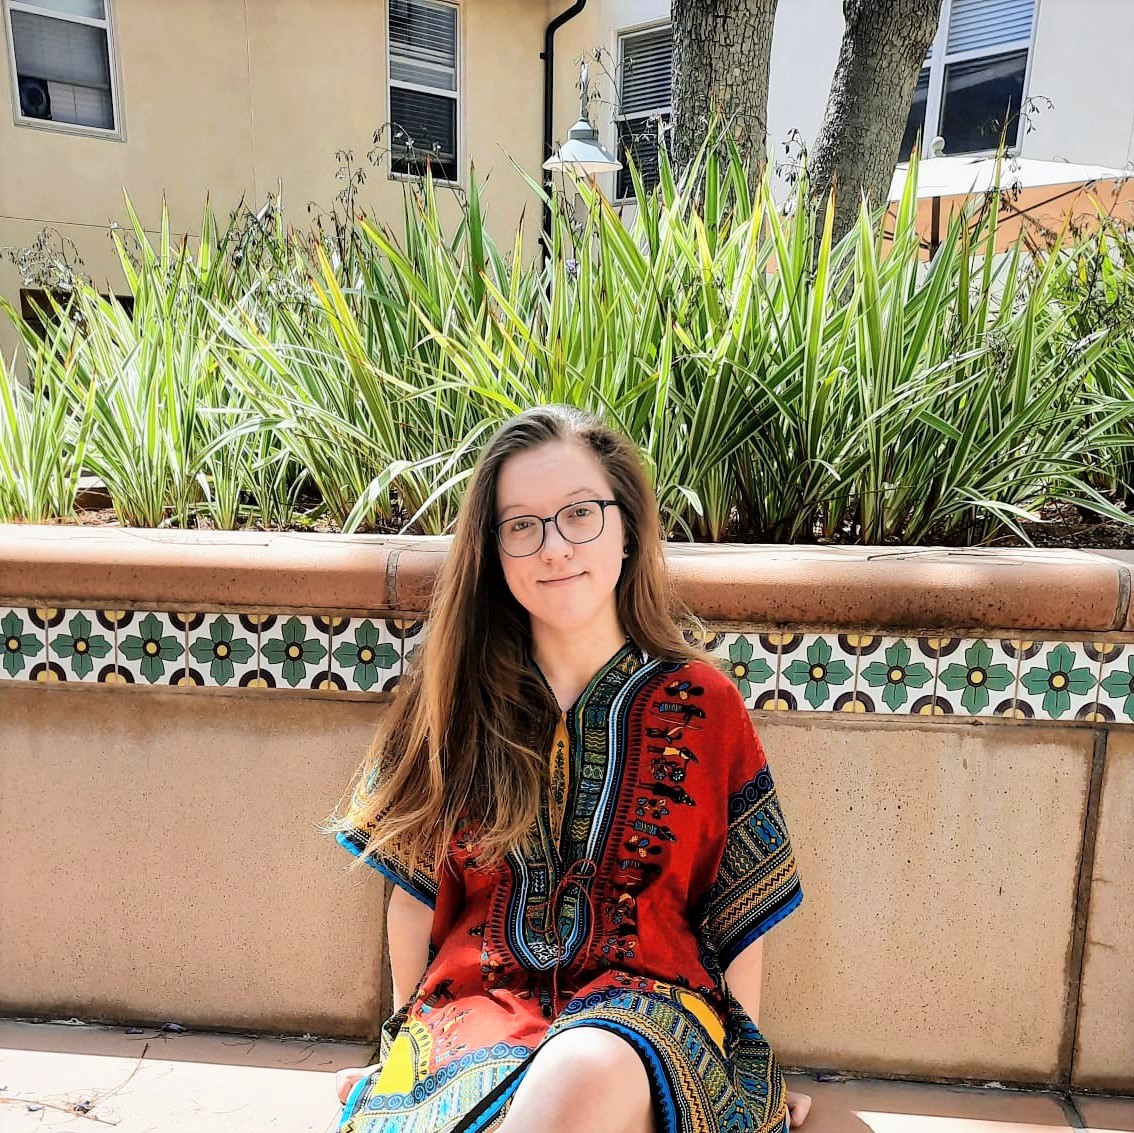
[627, 648]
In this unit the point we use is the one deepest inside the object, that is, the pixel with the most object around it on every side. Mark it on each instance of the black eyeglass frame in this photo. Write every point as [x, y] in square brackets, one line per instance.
[545, 520]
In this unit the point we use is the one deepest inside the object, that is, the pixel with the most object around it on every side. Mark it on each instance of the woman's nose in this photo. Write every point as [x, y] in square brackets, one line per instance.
[553, 540]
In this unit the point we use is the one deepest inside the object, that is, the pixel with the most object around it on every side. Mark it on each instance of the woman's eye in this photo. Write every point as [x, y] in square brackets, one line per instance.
[581, 512]
[519, 525]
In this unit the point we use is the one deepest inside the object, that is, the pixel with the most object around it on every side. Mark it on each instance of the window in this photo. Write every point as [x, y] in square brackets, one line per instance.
[39, 314]
[973, 81]
[423, 88]
[645, 70]
[62, 63]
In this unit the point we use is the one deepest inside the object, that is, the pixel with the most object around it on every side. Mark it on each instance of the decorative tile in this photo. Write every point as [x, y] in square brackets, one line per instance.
[1058, 680]
[365, 655]
[410, 633]
[857, 649]
[22, 639]
[752, 666]
[1116, 688]
[774, 671]
[706, 637]
[293, 653]
[81, 648]
[818, 672]
[113, 624]
[975, 677]
[150, 648]
[222, 650]
[897, 676]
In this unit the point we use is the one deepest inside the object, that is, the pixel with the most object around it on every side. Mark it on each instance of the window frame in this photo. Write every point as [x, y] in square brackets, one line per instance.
[456, 95]
[619, 36]
[939, 61]
[118, 134]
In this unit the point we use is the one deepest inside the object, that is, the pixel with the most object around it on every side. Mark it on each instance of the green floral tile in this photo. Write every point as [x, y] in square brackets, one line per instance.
[366, 656]
[819, 672]
[222, 650]
[293, 653]
[898, 676]
[1116, 689]
[975, 677]
[1059, 681]
[151, 649]
[752, 662]
[81, 647]
[856, 673]
[21, 644]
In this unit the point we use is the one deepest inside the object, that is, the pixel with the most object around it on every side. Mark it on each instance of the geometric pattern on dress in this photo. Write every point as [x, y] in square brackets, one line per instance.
[703, 1077]
[757, 884]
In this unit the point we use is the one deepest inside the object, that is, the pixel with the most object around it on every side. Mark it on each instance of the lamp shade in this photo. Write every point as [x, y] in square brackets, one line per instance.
[583, 153]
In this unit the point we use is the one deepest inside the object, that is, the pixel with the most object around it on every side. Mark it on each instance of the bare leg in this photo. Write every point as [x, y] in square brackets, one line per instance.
[587, 1080]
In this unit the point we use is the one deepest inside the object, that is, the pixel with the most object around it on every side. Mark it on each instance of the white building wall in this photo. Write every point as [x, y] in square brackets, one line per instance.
[1082, 62]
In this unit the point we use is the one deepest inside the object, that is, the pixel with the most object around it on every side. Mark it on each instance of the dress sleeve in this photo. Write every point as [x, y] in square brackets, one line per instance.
[757, 884]
[420, 882]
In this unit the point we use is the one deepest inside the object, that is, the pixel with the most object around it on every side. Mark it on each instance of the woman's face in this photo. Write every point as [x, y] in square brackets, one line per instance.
[539, 482]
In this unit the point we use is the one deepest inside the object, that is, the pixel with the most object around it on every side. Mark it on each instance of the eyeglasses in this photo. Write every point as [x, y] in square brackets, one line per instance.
[580, 522]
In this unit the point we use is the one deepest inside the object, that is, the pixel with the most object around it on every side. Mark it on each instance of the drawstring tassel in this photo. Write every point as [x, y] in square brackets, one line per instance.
[577, 874]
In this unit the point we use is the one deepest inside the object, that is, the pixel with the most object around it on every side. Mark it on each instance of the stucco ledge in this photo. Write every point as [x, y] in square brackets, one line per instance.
[922, 588]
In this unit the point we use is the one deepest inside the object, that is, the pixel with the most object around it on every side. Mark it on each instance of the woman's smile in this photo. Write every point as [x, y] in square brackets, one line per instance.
[561, 581]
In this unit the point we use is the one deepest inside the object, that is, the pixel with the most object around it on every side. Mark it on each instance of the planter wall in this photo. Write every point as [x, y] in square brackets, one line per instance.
[952, 733]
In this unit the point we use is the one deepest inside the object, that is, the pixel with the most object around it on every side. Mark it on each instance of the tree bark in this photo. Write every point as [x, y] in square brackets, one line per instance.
[722, 52]
[883, 48]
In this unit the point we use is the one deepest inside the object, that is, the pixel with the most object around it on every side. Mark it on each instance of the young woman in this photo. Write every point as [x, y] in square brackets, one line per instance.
[580, 823]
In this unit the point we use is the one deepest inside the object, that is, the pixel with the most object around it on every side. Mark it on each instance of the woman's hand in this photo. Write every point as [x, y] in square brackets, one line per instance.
[799, 1105]
[345, 1080]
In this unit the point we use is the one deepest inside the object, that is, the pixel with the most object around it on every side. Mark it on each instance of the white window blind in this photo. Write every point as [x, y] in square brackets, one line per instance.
[646, 67]
[423, 87]
[87, 9]
[645, 94]
[980, 25]
[63, 65]
[423, 43]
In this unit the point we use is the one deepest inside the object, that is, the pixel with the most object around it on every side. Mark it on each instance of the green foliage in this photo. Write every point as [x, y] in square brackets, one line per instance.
[782, 386]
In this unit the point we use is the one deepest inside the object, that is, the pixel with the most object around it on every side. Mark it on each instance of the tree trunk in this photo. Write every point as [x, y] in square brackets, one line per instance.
[721, 55]
[856, 149]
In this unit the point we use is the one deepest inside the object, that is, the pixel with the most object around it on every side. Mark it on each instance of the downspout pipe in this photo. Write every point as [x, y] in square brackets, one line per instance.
[548, 57]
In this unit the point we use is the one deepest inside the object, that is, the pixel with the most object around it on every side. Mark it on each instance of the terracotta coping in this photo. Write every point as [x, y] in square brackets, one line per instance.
[830, 587]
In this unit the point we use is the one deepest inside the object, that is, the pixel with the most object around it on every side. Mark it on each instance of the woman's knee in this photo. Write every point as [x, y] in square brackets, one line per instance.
[595, 1054]
[591, 1075]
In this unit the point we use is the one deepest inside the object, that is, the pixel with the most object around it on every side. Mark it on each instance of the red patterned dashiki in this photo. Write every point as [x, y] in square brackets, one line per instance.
[660, 852]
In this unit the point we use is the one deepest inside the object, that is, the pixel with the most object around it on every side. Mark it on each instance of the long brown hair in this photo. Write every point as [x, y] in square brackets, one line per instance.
[469, 726]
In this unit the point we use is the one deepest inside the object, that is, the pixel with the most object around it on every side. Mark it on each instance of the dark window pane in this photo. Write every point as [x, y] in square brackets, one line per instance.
[423, 130]
[638, 142]
[980, 96]
[915, 124]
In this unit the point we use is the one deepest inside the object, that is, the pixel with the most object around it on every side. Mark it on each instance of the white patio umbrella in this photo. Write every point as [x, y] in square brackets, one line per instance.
[1029, 184]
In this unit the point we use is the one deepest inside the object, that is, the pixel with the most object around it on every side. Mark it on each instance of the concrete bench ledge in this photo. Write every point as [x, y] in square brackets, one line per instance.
[919, 588]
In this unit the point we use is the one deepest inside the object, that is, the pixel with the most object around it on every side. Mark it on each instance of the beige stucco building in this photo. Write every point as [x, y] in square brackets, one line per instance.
[228, 99]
